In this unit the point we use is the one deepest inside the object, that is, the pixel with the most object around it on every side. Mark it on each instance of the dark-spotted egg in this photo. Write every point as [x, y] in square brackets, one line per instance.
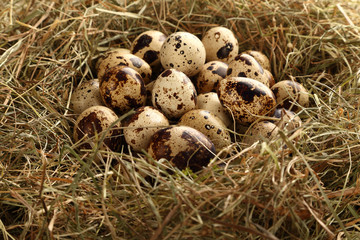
[246, 99]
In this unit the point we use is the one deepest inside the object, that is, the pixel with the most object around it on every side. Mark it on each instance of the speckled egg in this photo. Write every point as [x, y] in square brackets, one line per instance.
[183, 51]
[261, 58]
[126, 59]
[173, 94]
[210, 102]
[117, 51]
[142, 125]
[147, 46]
[290, 94]
[95, 121]
[183, 146]
[261, 131]
[209, 76]
[122, 89]
[220, 44]
[246, 66]
[86, 95]
[288, 120]
[270, 77]
[246, 98]
[210, 125]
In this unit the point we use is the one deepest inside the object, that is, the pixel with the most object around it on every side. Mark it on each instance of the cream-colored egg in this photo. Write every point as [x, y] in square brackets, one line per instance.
[173, 94]
[147, 46]
[142, 125]
[184, 52]
[126, 59]
[290, 94]
[220, 44]
[246, 66]
[116, 51]
[261, 131]
[247, 99]
[86, 95]
[210, 125]
[183, 146]
[95, 121]
[122, 89]
[288, 120]
[210, 102]
[209, 76]
[261, 58]
[270, 77]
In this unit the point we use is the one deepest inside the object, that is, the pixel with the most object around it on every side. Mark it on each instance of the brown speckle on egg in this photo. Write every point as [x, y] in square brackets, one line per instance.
[95, 121]
[288, 93]
[220, 44]
[183, 146]
[174, 94]
[147, 46]
[184, 52]
[122, 89]
[246, 66]
[246, 99]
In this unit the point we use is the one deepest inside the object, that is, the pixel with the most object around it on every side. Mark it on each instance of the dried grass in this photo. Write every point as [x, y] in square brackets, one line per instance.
[48, 190]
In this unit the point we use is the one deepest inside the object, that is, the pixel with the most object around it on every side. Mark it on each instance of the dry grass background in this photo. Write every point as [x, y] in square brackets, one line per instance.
[48, 190]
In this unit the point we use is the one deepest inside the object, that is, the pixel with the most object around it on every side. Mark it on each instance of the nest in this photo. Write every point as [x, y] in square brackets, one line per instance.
[282, 189]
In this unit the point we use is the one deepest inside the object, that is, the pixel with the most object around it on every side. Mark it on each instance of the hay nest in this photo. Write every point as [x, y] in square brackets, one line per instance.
[49, 190]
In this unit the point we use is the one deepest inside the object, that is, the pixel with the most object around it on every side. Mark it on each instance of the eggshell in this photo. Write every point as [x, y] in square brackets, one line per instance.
[86, 95]
[183, 51]
[220, 44]
[147, 46]
[208, 124]
[183, 146]
[142, 125]
[209, 76]
[261, 131]
[247, 99]
[95, 121]
[261, 58]
[210, 102]
[122, 89]
[270, 78]
[116, 51]
[288, 93]
[246, 66]
[288, 120]
[125, 59]
[173, 94]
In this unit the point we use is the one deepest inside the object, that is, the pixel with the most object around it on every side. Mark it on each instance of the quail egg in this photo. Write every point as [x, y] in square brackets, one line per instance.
[173, 94]
[288, 120]
[183, 51]
[86, 95]
[290, 94]
[247, 99]
[147, 46]
[210, 102]
[122, 89]
[95, 121]
[263, 130]
[209, 76]
[116, 51]
[246, 66]
[142, 125]
[130, 60]
[270, 78]
[260, 57]
[182, 146]
[210, 125]
[220, 44]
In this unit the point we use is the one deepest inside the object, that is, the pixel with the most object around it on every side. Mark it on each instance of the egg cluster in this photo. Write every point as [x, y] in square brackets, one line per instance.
[187, 93]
